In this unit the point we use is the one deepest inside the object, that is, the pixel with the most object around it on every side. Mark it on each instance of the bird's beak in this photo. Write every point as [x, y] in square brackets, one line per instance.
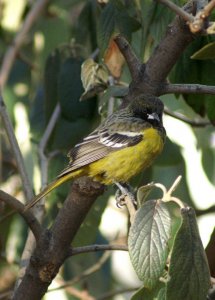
[153, 116]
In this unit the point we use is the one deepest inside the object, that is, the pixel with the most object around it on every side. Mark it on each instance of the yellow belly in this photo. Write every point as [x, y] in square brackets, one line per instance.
[121, 165]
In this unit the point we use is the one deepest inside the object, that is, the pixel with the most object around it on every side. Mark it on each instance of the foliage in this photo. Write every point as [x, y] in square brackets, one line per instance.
[59, 65]
[188, 274]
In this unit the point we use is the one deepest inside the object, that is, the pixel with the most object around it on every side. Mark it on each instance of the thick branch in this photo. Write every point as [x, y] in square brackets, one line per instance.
[27, 215]
[54, 245]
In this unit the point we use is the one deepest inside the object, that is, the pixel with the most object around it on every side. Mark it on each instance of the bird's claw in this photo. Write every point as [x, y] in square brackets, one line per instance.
[121, 194]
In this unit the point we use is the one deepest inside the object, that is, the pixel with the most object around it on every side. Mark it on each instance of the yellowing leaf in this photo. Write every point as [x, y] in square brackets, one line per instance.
[114, 59]
[94, 78]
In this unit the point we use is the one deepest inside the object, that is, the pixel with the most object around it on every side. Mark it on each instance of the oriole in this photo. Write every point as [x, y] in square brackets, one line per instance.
[122, 146]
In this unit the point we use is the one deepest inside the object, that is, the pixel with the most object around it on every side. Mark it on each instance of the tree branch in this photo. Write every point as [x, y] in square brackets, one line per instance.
[19, 40]
[148, 79]
[54, 244]
[187, 89]
[111, 294]
[180, 117]
[43, 143]
[178, 10]
[27, 215]
[16, 151]
[95, 248]
[132, 60]
[94, 268]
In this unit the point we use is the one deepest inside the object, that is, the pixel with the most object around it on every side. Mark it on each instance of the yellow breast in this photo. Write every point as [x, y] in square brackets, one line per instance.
[121, 165]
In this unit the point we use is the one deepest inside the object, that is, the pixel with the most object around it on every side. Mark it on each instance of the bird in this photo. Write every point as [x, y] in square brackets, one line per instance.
[123, 145]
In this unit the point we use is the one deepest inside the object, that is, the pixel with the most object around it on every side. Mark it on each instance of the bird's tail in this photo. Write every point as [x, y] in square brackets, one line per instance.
[52, 186]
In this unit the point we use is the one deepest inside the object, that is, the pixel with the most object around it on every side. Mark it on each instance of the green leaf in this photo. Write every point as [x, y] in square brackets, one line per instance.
[188, 272]
[52, 69]
[55, 31]
[143, 192]
[70, 89]
[85, 29]
[115, 18]
[157, 293]
[206, 52]
[198, 72]
[148, 241]
[208, 163]
[155, 19]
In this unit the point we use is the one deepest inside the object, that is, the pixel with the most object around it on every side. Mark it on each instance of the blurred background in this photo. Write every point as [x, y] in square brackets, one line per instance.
[46, 80]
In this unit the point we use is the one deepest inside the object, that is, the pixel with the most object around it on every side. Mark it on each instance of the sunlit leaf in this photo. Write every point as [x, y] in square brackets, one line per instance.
[94, 78]
[148, 241]
[189, 275]
[206, 52]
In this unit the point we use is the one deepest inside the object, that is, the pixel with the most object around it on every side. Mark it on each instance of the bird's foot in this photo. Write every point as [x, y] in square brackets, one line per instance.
[124, 190]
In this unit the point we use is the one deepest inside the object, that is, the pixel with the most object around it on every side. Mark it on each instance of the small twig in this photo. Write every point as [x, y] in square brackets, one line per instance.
[196, 23]
[180, 117]
[27, 215]
[19, 40]
[167, 195]
[132, 60]
[6, 216]
[43, 144]
[82, 295]
[27, 61]
[111, 100]
[95, 248]
[178, 10]
[27, 189]
[207, 10]
[6, 295]
[174, 185]
[200, 19]
[86, 273]
[187, 89]
[111, 294]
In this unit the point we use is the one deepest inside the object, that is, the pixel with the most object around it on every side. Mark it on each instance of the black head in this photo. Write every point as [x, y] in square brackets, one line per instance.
[148, 108]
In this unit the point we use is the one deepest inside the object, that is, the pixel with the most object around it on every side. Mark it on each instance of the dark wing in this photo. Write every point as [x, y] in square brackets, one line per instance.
[98, 145]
